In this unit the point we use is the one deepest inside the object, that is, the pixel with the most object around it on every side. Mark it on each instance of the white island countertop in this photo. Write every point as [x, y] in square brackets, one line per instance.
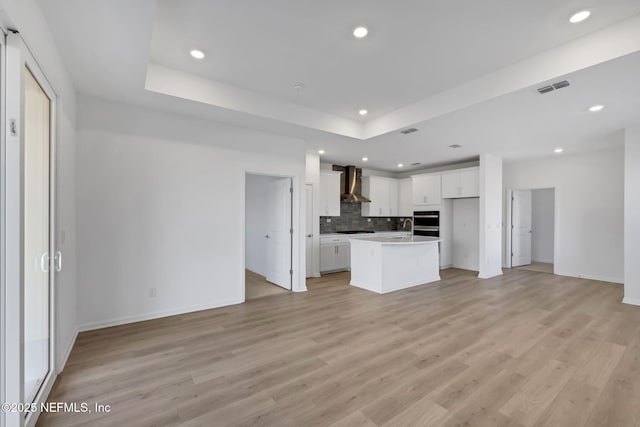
[399, 240]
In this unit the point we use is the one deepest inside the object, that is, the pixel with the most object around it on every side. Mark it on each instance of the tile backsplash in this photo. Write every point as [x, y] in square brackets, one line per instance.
[350, 219]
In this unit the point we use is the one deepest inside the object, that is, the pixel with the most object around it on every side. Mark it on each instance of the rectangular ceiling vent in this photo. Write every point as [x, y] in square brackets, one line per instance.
[416, 164]
[455, 146]
[553, 86]
[408, 131]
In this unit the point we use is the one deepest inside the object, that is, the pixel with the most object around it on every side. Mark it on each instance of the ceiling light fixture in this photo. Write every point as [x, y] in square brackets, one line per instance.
[365, 159]
[579, 16]
[558, 150]
[321, 152]
[360, 32]
[400, 165]
[198, 54]
[596, 108]
[363, 112]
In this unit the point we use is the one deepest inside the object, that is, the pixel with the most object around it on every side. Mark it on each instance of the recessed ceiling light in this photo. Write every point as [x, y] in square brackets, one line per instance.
[198, 54]
[363, 112]
[298, 86]
[400, 165]
[321, 152]
[558, 150]
[579, 16]
[364, 159]
[360, 32]
[596, 108]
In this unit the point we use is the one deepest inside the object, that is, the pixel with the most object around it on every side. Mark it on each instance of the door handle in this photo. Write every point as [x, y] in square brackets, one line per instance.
[44, 262]
[266, 236]
[57, 259]
[309, 235]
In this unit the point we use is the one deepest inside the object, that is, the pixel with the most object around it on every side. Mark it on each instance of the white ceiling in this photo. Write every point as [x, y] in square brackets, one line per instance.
[417, 50]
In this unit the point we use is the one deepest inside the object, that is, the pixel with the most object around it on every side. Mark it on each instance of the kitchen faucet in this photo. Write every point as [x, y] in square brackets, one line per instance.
[404, 224]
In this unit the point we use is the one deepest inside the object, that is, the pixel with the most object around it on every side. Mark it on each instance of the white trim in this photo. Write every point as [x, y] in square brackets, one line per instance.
[63, 361]
[156, 315]
[616, 280]
[631, 301]
[2, 225]
[489, 276]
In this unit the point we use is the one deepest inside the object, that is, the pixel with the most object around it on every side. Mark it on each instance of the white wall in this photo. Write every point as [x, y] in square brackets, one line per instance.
[256, 223]
[589, 209]
[313, 178]
[161, 205]
[466, 233]
[490, 216]
[542, 222]
[26, 16]
[632, 216]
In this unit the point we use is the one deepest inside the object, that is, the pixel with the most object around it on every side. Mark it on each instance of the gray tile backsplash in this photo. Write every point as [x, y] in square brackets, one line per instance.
[350, 219]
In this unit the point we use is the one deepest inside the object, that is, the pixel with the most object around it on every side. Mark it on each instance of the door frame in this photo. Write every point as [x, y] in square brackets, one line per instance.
[508, 224]
[306, 232]
[17, 57]
[293, 236]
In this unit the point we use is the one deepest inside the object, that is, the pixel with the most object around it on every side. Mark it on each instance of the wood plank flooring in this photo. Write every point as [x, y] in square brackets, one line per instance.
[523, 349]
[256, 286]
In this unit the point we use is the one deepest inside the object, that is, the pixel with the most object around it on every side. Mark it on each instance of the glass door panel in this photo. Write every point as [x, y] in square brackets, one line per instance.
[37, 133]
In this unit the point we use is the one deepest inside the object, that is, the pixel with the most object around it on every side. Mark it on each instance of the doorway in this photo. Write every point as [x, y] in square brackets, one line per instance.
[532, 235]
[268, 235]
[29, 258]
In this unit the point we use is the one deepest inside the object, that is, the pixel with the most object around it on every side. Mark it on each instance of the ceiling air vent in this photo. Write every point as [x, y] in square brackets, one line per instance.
[416, 164]
[560, 85]
[545, 89]
[553, 86]
[455, 146]
[408, 131]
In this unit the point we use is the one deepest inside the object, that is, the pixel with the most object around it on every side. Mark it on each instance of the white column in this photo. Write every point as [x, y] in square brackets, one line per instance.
[632, 216]
[490, 216]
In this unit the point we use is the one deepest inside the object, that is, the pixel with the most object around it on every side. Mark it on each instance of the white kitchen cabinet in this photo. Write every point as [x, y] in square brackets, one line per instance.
[394, 188]
[330, 193]
[426, 189]
[460, 184]
[383, 193]
[335, 254]
[405, 197]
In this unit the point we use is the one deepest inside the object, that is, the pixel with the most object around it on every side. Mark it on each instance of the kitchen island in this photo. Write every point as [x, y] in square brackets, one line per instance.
[387, 264]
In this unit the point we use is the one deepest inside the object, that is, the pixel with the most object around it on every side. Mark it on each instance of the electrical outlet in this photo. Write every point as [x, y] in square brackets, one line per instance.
[328, 220]
[368, 219]
[153, 292]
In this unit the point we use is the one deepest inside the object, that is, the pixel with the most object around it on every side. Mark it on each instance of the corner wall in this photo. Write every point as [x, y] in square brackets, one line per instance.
[632, 217]
[161, 205]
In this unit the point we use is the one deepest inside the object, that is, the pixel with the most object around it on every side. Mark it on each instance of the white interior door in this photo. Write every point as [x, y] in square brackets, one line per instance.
[309, 229]
[521, 228]
[279, 244]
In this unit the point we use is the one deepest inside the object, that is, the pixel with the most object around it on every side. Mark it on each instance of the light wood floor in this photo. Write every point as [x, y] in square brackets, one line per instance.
[540, 267]
[523, 349]
[256, 286]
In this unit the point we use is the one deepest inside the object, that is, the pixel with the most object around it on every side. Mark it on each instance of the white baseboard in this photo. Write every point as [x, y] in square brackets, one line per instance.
[590, 277]
[63, 361]
[155, 315]
[631, 301]
[490, 275]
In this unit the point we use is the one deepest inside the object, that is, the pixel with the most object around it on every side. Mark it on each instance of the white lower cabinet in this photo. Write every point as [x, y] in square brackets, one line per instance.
[335, 253]
[335, 250]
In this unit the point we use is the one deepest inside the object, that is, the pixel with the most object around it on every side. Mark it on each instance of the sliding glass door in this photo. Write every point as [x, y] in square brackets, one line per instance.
[36, 236]
[28, 201]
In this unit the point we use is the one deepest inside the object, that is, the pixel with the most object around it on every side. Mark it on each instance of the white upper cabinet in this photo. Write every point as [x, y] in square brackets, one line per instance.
[405, 197]
[426, 189]
[461, 183]
[383, 193]
[330, 193]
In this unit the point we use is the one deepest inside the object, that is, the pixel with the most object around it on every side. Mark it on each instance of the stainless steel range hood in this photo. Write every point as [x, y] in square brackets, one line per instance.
[352, 186]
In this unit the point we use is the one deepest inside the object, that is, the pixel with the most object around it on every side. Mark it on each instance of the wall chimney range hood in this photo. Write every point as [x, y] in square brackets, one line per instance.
[352, 186]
